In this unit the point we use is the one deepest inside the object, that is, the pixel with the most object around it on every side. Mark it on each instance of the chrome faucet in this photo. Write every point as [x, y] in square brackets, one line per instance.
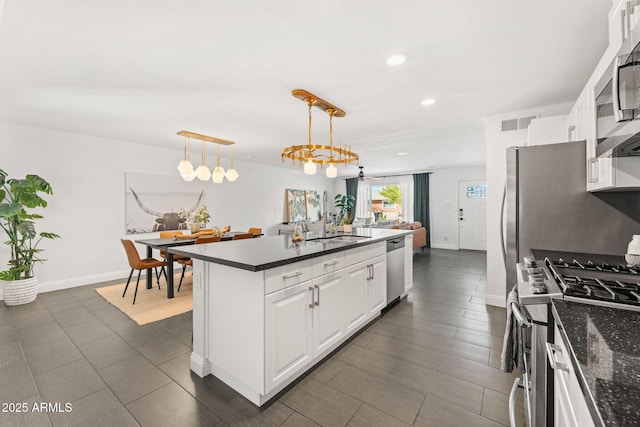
[324, 214]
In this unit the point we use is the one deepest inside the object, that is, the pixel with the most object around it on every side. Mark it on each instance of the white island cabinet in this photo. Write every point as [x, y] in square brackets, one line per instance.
[259, 330]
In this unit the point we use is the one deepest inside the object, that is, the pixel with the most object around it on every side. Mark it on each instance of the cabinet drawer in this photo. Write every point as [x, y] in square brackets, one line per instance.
[356, 255]
[377, 249]
[287, 275]
[328, 263]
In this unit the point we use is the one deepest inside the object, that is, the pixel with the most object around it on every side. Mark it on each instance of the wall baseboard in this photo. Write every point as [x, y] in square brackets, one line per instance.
[79, 281]
[444, 246]
[496, 300]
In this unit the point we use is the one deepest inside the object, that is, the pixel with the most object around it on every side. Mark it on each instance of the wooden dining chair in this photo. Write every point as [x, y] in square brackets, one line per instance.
[140, 264]
[189, 262]
[253, 230]
[241, 236]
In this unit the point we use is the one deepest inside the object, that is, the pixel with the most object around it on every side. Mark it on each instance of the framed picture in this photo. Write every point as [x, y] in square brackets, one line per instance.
[296, 205]
[312, 203]
[158, 202]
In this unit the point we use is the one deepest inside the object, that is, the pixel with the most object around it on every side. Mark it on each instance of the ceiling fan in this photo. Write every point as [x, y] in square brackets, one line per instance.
[362, 177]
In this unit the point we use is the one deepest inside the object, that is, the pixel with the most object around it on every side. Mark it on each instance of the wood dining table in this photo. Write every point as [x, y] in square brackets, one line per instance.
[164, 243]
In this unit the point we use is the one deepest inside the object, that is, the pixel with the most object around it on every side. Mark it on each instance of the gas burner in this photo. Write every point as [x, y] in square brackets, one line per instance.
[593, 266]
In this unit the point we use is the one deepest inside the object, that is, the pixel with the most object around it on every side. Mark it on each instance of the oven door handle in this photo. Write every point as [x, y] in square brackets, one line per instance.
[512, 401]
[515, 309]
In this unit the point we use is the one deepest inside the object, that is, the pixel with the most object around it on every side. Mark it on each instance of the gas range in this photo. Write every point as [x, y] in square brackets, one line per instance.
[597, 279]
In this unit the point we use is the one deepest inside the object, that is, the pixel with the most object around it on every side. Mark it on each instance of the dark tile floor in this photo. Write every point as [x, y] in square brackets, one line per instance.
[433, 360]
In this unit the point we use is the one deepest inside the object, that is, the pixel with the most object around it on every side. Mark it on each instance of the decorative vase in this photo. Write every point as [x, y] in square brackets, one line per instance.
[347, 228]
[633, 251]
[18, 292]
[195, 227]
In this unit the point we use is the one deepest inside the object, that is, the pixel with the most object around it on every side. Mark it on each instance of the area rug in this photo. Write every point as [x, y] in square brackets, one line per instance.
[151, 304]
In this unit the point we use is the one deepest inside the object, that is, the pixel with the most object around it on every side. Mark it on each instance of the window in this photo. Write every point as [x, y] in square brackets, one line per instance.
[386, 202]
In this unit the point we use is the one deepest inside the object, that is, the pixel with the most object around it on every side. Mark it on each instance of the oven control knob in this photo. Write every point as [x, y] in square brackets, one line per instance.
[529, 262]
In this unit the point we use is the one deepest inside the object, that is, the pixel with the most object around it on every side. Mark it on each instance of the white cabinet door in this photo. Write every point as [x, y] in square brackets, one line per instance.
[288, 332]
[328, 311]
[355, 297]
[377, 285]
[408, 262]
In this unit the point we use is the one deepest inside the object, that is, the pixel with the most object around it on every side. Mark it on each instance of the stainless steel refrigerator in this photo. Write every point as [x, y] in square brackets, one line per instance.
[546, 206]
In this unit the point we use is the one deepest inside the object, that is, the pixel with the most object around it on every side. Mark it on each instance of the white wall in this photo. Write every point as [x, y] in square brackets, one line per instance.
[443, 203]
[496, 145]
[87, 175]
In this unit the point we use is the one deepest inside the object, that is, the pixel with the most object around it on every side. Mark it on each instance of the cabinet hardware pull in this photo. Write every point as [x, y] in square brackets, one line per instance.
[552, 349]
[368, 271]
[318, 300]
[329, 264]
[373, 272]
[312, 297]
[297, 273]
[592, 172]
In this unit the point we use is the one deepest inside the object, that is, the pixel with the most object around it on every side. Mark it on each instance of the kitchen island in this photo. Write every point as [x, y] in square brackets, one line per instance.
[266, 310]
[604, 352]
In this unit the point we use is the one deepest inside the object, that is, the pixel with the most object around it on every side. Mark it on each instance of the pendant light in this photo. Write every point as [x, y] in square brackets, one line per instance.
[203, 173]
[232, 174]
[185, 167]
[218, 173]
[311, 155]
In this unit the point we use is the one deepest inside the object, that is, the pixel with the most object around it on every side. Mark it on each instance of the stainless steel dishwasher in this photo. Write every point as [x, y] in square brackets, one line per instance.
[395, 270]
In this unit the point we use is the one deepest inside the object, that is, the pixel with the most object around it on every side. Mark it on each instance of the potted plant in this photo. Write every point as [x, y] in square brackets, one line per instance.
[345, 204]
[16, 196]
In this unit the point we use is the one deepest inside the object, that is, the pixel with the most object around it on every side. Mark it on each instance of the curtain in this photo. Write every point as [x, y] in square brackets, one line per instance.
[362, 203]
[421, 202]
[406, 188]
[352, 188]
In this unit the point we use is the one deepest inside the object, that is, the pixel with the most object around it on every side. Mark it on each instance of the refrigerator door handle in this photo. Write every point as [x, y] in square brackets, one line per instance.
[502, 225]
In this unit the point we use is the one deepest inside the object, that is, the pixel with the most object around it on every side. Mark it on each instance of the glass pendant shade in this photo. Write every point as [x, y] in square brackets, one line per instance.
[185, 167]
[218, 175]
[188, 176]
[232, 174]
[203, 173]
[310, 167]
[332, 171]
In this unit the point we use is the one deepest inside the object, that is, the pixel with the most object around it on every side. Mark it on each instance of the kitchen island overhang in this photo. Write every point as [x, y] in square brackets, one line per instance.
[267, 310]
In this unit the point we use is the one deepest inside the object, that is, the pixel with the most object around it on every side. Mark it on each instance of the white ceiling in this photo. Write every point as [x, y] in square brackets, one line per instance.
[142, 70]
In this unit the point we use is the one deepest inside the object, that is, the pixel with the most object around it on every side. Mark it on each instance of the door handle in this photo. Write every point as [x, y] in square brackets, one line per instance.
[312, 297]
[317, 303]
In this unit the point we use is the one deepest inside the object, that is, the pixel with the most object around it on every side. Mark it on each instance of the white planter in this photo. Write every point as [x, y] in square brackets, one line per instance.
[18, 292]
[634, 245]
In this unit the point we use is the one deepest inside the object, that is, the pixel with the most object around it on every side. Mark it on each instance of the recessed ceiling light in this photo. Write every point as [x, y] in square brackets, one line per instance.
[429, 101]
[402, 153]
[394, 60]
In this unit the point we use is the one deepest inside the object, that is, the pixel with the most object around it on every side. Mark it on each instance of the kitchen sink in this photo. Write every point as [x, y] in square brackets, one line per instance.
[339, 239]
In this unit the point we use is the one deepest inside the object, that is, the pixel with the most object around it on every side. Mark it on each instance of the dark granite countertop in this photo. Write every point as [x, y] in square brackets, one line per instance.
[272, 251]
[604, 346]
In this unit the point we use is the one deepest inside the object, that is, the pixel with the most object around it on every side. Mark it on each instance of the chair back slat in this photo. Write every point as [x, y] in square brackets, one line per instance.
[207, 239]
[242, 236]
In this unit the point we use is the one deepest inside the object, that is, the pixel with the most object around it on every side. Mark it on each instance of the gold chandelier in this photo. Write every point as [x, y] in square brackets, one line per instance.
[311, 154]
[202, 172]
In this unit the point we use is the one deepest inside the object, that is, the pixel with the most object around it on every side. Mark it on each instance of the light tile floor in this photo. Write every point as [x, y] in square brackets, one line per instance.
[433, 360]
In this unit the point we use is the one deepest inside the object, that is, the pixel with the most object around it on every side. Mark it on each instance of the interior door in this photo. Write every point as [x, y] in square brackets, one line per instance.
[472, 215]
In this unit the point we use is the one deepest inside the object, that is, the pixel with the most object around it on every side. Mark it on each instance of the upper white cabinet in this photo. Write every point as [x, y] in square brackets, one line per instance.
[624, 15]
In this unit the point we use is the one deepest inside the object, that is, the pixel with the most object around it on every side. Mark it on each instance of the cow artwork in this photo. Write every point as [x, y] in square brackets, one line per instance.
[167, 220]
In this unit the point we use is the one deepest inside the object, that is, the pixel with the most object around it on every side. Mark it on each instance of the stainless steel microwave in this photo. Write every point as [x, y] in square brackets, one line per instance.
[618, 102]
